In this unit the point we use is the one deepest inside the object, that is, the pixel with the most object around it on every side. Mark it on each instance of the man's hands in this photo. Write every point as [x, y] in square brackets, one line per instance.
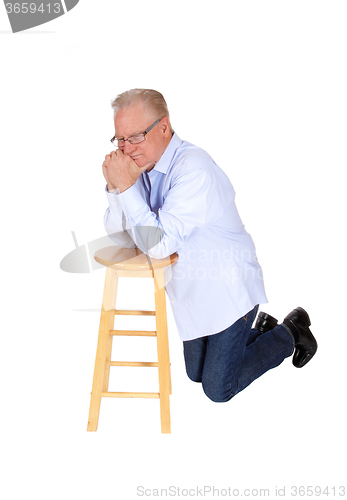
[120, 170]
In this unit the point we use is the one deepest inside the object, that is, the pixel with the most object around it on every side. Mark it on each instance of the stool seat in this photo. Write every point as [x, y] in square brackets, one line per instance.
[131, 259]
[131, 262]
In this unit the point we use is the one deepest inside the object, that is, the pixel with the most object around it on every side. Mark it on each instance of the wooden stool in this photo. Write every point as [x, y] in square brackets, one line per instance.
[127, 262]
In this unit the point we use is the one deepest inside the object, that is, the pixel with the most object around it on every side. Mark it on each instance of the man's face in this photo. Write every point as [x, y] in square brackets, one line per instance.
[135, 120]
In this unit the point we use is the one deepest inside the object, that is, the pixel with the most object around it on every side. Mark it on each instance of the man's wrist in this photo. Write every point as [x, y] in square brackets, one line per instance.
[111, 188]
[125, 187]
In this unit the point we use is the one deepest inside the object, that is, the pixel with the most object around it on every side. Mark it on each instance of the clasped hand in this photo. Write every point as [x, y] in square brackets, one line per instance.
[121, 171]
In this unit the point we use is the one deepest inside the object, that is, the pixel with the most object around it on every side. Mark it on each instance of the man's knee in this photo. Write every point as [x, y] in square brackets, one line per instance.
[194, 379]
[218, 394]
[193, 375]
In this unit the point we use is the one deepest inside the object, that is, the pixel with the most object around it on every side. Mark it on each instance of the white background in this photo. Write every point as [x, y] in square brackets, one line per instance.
[261, 85]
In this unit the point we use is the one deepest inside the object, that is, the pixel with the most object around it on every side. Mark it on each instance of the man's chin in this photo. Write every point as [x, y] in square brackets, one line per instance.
[138, 162]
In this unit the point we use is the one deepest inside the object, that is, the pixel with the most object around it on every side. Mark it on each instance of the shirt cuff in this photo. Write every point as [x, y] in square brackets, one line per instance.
[132, 201]
[113, 198]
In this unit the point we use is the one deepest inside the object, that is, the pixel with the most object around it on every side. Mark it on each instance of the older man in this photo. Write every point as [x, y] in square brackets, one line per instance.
[166, 195]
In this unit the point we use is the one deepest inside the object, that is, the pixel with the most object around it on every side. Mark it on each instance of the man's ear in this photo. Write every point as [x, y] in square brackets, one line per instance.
[165, 126]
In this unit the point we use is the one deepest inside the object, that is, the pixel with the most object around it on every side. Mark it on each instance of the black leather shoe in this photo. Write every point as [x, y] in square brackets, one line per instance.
[265, 322]
[298, 322]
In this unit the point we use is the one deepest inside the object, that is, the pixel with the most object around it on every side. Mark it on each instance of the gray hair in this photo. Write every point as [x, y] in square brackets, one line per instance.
[152, 101]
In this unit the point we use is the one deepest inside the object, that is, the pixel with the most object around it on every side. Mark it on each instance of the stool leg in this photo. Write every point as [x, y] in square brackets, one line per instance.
[163, 350]
[103, 347]
[108, 361]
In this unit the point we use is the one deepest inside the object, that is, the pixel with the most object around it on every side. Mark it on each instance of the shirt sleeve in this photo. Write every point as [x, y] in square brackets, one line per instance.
[190, 205]
[115, 221]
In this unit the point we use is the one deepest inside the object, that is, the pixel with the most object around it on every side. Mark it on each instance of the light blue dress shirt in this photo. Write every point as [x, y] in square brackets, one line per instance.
[187, 205]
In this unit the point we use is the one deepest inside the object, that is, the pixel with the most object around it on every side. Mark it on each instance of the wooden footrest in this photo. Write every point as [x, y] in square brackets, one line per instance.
[134, 313]
[130, 395]
[134, 333]
[134, 363]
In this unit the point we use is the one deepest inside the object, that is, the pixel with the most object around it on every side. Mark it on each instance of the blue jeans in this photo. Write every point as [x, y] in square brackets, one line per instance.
[229, 361]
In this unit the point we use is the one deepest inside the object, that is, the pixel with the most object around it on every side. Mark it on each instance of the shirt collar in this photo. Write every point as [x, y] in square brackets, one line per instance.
[166, 159]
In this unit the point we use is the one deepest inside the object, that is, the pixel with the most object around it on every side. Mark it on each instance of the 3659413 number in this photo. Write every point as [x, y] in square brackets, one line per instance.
[32, 8]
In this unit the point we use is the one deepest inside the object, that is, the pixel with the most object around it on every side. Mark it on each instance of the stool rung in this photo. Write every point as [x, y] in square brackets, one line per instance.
[134, 363]
[130, 394]
[134, 333]
[134, 313]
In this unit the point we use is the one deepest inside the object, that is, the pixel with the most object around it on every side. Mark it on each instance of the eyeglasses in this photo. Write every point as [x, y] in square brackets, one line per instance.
[134, 139]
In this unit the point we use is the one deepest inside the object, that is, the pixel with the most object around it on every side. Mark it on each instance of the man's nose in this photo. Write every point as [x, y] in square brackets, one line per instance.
[128, 148]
